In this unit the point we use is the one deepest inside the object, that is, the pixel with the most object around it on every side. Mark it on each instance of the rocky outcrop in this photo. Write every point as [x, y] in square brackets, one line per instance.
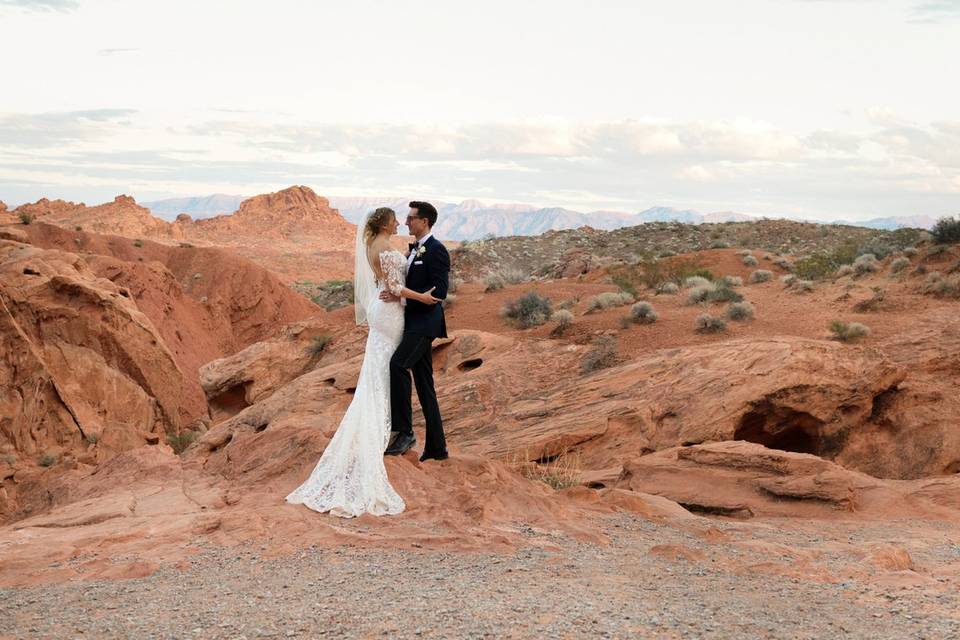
[293, 213]
[123, 217]
[80, 364]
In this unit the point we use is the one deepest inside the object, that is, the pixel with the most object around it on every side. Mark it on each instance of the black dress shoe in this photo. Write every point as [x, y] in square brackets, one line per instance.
[401, 445]
[440, 455]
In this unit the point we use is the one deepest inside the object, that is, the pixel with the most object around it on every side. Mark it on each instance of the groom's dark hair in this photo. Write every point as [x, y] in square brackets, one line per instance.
[425, 210]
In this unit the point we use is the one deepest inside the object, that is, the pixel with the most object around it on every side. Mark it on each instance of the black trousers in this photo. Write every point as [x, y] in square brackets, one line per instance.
[415, 353]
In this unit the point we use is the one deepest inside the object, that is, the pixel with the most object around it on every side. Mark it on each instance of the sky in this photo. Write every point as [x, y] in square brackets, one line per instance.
[822, 109]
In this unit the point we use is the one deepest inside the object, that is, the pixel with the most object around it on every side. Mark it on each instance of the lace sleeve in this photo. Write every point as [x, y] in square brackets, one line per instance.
[392, 264]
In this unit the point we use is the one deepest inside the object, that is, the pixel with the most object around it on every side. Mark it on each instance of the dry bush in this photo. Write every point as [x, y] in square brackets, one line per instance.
[744, 252]
[784, 264]
[867, 263]
[844, 270]
[802, 286]
[529, 310]
[730, 281]
[750, 261]
[560, 472]
[180, 441]
[848, 331]
[608, 300]
[899, 265]
[601, 355]
[48, 459]
[563, 320]
[910, 252]
[319, 343]
[788, 280]
[942, 286]
[700, 293]
[643, 313]
[946, 231]
[668, 288]
[740, 311]
[760, 275]
[25, 217]
[696, 281]
[706, 323]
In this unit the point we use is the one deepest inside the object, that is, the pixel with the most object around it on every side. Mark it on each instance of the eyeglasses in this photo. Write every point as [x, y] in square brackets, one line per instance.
[409, 218]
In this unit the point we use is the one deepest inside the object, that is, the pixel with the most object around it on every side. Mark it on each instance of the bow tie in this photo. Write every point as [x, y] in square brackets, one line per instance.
[413, 245]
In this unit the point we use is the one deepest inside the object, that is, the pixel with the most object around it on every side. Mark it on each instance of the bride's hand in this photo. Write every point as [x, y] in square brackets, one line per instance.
[427, 297]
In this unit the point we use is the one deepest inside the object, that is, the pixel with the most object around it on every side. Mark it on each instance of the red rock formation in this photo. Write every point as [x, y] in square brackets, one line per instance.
[122, 217]
[79, 362]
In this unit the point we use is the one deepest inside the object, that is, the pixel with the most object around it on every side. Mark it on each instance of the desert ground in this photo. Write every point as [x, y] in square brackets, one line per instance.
[621, 466]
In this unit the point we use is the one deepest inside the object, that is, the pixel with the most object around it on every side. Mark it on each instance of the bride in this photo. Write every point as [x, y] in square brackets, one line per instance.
[350, 478]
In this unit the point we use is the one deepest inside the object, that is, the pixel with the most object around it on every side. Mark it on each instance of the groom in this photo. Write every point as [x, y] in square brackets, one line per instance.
[428, 266]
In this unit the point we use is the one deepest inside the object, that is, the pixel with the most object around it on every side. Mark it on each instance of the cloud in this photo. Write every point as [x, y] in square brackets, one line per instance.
[60, 127]
[113, 52]
[42, 5]
[935, 11]
[889, 166]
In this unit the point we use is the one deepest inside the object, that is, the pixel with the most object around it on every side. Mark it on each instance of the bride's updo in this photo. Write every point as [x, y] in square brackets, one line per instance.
[377, 222]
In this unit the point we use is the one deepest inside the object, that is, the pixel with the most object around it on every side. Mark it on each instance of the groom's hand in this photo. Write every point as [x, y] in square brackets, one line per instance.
[386, 296]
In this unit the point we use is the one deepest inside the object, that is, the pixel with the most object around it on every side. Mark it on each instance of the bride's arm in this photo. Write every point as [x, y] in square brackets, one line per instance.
[393, 276]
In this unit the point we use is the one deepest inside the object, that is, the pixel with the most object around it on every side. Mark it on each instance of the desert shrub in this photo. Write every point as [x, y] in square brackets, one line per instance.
[848, 331]
[48, 459]
[730, 281]
[668, 288]
[724, 294]
[667, 253]
[910, 252]
[608, 300]
[25, 217]
[560, 472]
[719, 244]
[938, 250]
[760, 275]
[750, 261]
[454, 284]
[701, 293]
[941, 286]
[946, 231]
[899, 264]
[845, 270]
[802, 286]
[625, 284]
[877, 248]
[180, 441]
[643, 313]
[784, 264]
[789, 280]
[9, 458]
[655, 273]
[138, 243]
[744, 252]
[563, 319]
[493, 282]
[867, 263]
[825, 263]
[740, 311]
[319, 343]
[529, 310]
[706, 323]
[601, 355]
[696, 281]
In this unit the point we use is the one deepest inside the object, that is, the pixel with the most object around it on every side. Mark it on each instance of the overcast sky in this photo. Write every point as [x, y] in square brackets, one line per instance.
[822, 109]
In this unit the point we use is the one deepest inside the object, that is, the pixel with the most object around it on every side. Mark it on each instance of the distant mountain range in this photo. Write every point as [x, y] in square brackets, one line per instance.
[472, 219]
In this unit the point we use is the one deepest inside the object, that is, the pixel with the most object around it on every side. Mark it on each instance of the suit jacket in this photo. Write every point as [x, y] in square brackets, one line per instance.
[431, 269]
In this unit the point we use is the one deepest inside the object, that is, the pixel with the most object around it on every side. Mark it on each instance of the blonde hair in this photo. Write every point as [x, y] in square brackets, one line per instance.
[376, 223]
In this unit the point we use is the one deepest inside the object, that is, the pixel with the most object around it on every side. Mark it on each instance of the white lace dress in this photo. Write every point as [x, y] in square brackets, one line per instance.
[350, 479]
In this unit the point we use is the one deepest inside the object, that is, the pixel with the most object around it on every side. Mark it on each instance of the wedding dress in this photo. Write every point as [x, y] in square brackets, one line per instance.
[350, 479]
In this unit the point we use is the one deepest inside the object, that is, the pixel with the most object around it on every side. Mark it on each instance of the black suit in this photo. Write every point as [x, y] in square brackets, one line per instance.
[422, 324]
